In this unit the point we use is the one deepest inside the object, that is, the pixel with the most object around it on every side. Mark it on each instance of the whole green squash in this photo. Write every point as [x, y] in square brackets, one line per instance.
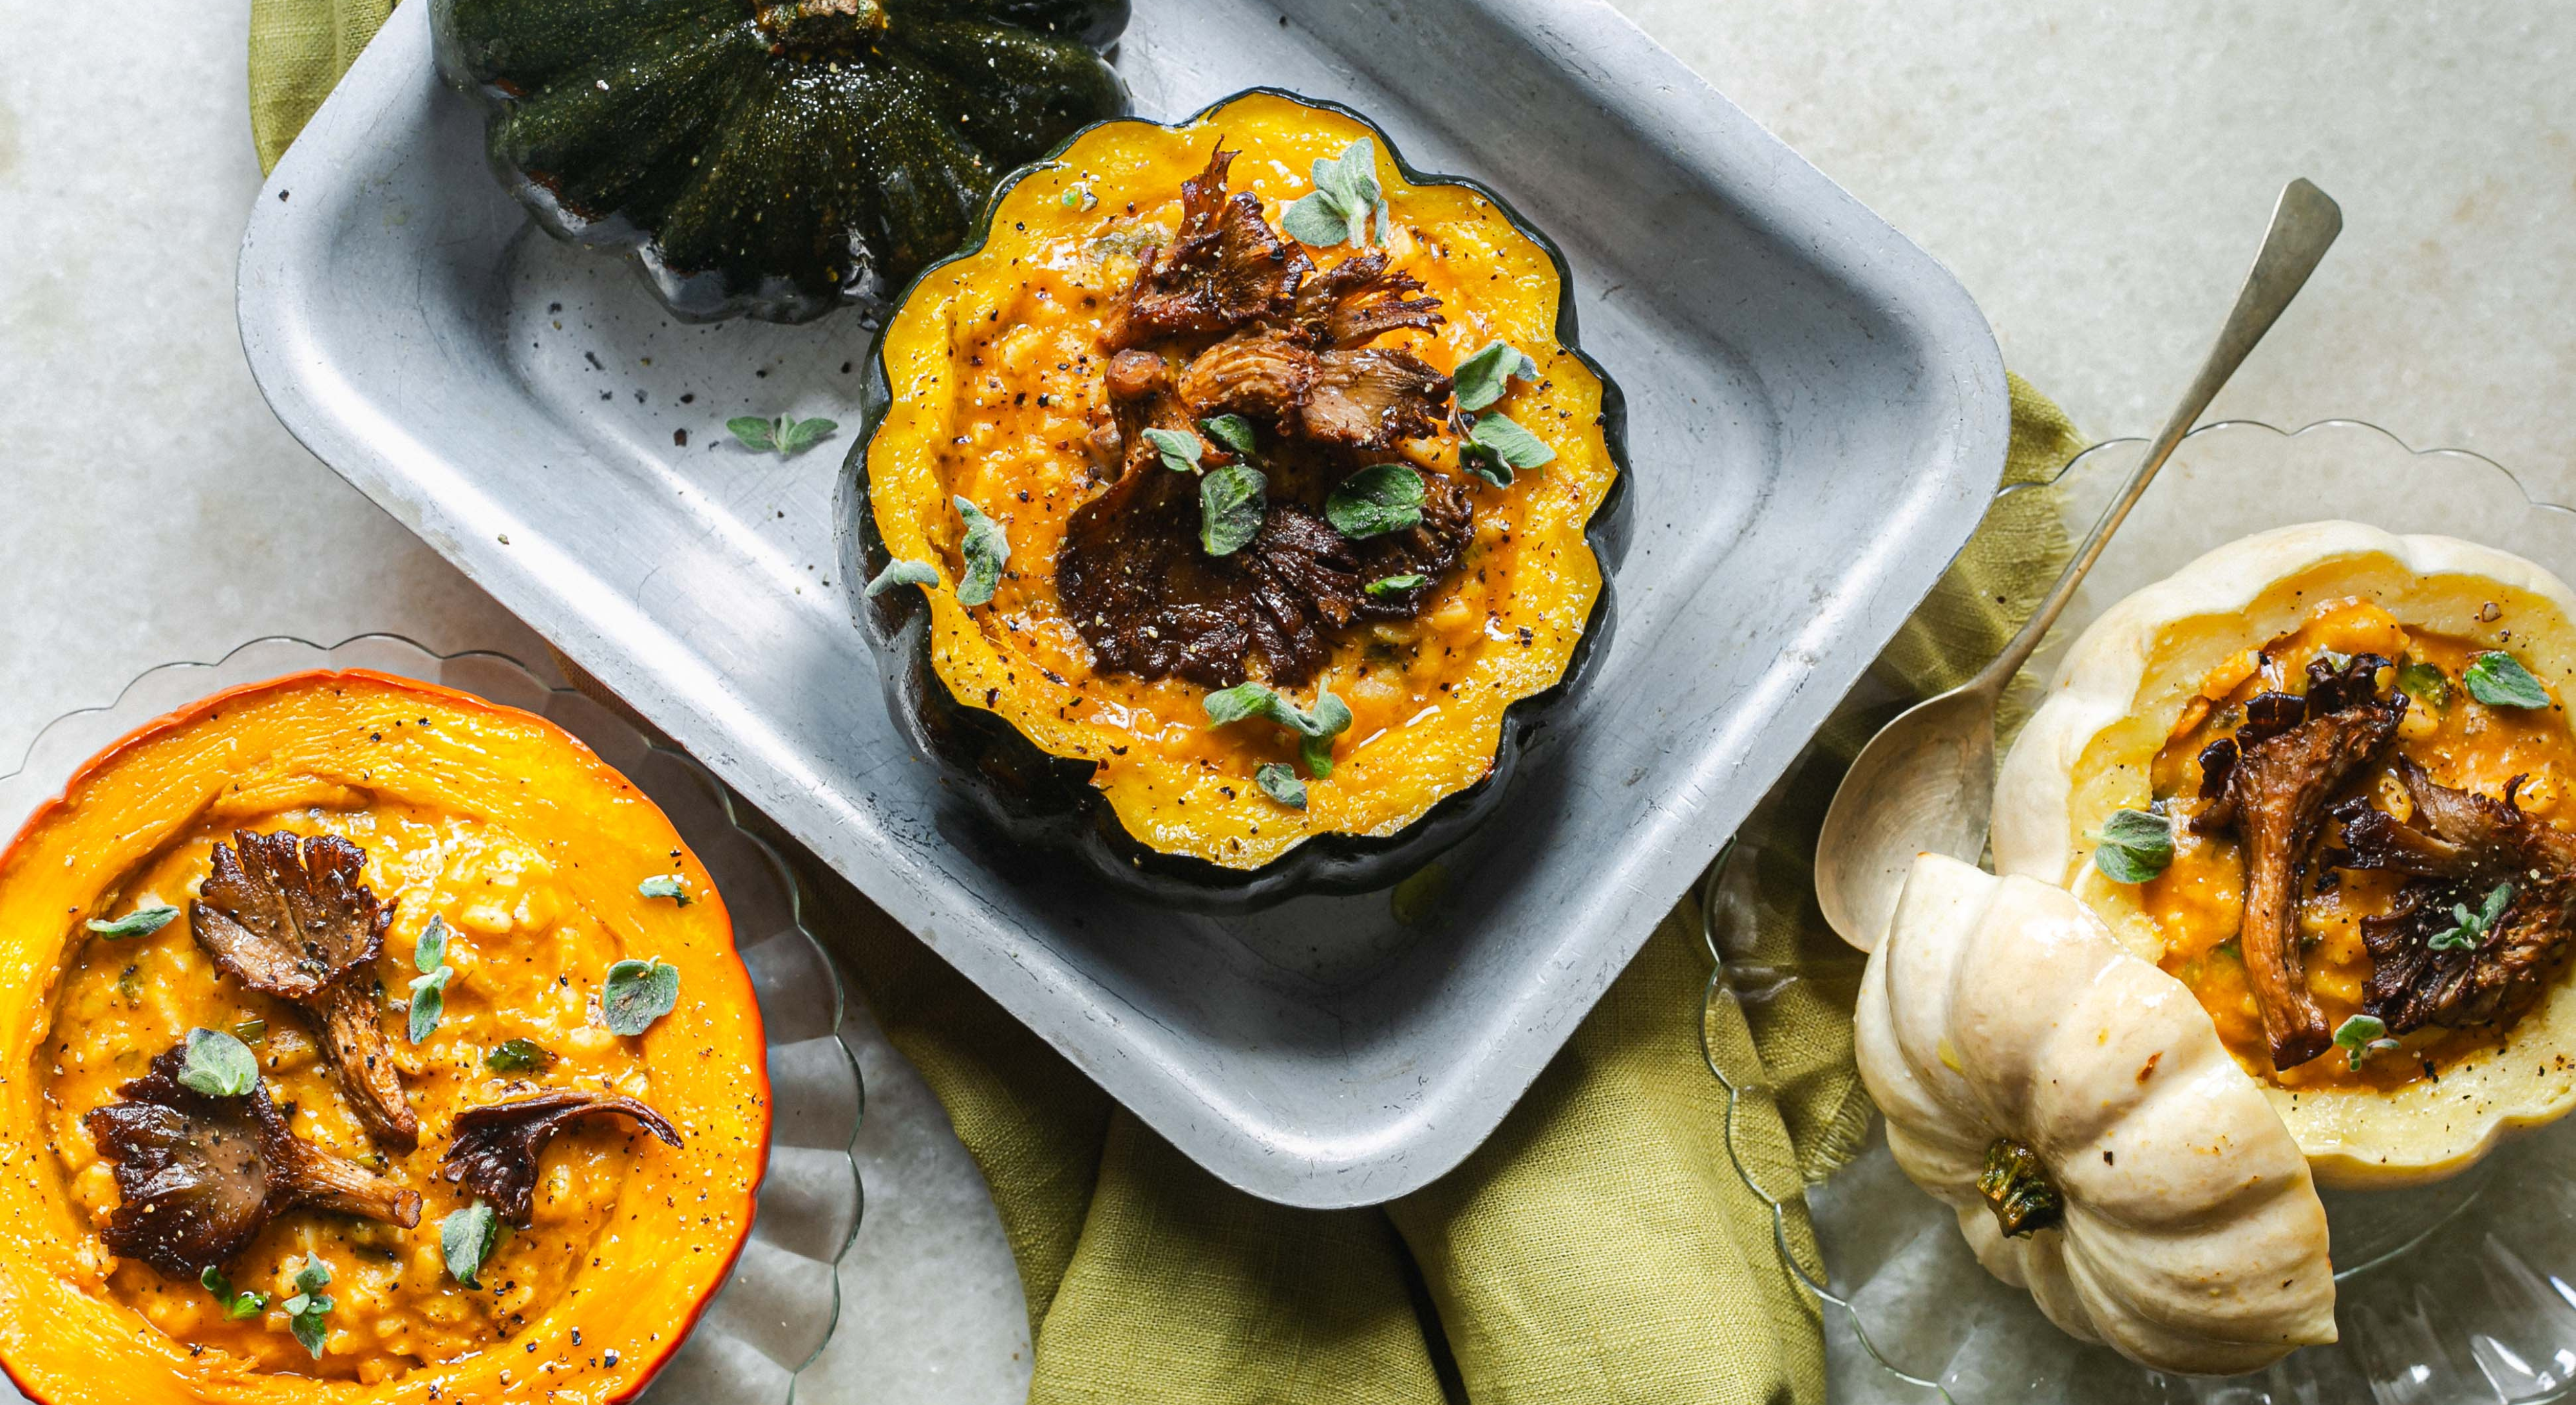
[776, 158]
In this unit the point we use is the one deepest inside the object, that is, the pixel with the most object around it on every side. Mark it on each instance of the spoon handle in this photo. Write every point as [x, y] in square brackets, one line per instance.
[2304, 226]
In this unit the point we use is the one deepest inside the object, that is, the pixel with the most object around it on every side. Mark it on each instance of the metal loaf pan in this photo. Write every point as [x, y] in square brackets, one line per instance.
[1817, 415]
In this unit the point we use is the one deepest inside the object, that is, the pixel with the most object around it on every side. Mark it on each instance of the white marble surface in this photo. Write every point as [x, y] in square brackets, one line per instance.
[2096, 174]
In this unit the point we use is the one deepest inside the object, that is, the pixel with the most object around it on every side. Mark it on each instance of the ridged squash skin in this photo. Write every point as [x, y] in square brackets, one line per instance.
[2084, 755]
[680, 1216]
[999, 727]
[2193, 1239]
[775, 158]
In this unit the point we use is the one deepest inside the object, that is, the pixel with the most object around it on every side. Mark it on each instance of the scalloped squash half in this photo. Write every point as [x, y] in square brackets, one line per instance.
[2320, 776]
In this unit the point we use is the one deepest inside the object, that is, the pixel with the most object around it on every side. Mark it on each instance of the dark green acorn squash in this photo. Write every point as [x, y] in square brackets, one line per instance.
[776, 158]
[1004, 353]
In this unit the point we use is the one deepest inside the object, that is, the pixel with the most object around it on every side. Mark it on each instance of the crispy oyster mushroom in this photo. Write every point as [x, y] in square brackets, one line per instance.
[1289, 353]
[2272, 785]
[495, 1148]
[2428, 965]
[307, 931]
[201, 1176]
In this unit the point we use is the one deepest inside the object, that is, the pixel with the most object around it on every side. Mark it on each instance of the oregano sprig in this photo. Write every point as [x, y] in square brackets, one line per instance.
[784, 436]
[429, 988]
[2468, 930]
[636, 993]
[2361, 1036]
[1482, 379]
[238, 1306]
[986, 550]
[2133, 846]
[218, 1065]
[1497, 445]
[1345, 198]
[141, 922]
[466, 1239]
[306, 1310]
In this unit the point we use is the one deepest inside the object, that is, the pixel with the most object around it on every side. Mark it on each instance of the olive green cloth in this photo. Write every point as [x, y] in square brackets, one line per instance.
[1600, 1248]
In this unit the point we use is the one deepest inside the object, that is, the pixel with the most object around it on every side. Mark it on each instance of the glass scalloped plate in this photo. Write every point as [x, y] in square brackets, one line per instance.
[784, 1299]
[2460, 1292]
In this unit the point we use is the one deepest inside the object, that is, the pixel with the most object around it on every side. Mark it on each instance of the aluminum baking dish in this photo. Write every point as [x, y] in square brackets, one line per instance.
[1817, 415]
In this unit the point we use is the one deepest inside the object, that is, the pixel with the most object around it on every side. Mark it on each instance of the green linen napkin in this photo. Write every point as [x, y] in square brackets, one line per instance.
[1599, 1248]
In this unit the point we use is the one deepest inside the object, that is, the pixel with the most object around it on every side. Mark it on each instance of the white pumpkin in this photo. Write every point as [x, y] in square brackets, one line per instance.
[2086, 752]
[2000, 1018]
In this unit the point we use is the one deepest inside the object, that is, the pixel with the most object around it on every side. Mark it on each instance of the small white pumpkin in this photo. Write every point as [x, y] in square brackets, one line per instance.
[2030, 1068]
[2086, 753]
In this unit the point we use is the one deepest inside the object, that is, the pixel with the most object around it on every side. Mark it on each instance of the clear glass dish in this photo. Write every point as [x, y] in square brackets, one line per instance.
[783, 1302]
[2458, 1293]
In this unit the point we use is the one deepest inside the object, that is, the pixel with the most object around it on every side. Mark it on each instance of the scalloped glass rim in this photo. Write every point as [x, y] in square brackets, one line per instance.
[783, 1301]
[2463, 1291]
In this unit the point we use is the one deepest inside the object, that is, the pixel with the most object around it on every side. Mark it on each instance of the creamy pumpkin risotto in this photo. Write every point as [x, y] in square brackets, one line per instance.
[362, 1028]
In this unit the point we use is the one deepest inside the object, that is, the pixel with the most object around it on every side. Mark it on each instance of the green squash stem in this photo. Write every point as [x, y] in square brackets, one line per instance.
[2017, 1188]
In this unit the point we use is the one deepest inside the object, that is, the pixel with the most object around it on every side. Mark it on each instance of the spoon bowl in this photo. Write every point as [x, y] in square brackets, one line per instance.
[1926, 782]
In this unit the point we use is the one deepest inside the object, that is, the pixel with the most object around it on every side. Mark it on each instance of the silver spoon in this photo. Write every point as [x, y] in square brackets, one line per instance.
[1926, 782]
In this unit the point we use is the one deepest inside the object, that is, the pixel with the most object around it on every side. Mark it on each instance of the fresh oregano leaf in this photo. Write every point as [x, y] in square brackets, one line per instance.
[1379, 499]
[2360, 1036]
[796, 436]
[2427, 684]
[637, 993]
[518, 1056]
[1180, 449]
[1332, 717]
[2468, 930]
[1394, 585]
[1232, 431]
[1346, 195]
[902, 573]
[2498, 679]
[431, 953]
[141, 922]
[2133, 846]
[1482, 378]
[1503, 437]
[664, 885]
[1316, 219]
[754, 432]
[310, 1305]
[1280, 783]
[466, 1239]
[428, 1001]
[1316, 729]
[1232, 502]
[986, 551]
[238, 1306]
[1239, 702]
[218, 1065]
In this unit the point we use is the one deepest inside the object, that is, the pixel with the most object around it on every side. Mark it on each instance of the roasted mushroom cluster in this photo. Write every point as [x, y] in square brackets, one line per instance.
[2476, 898]
[203, 1156]
[1234, 320]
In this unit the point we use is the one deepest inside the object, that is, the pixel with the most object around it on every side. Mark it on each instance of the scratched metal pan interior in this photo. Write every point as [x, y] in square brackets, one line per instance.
[1817, 415]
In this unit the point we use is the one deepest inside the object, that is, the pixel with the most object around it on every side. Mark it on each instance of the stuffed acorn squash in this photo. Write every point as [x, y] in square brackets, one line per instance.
[363, 1041]
[774, 157]
[2321, 776]
[1225, 511]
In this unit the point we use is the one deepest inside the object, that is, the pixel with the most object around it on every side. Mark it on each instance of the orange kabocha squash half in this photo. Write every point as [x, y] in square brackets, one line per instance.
[361, 1040]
